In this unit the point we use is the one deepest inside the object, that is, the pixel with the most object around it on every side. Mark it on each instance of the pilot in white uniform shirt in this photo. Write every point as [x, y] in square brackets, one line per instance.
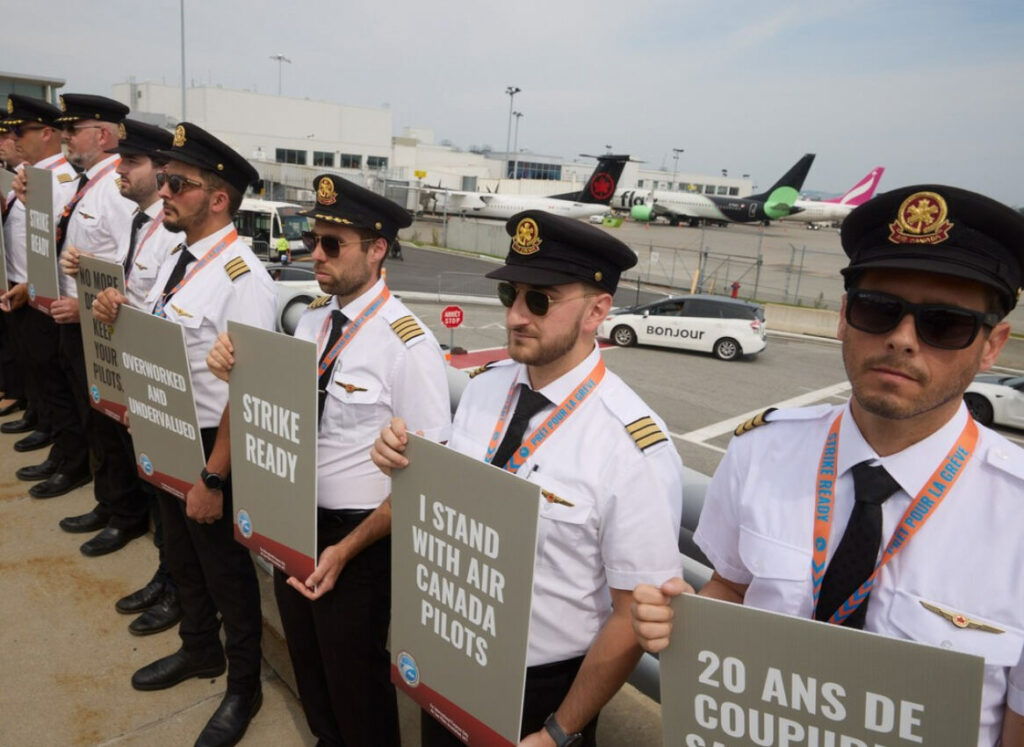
[152, 247]
[101, 222]
[757, 523]
[233, 286]
[392, 367]
[623, 525]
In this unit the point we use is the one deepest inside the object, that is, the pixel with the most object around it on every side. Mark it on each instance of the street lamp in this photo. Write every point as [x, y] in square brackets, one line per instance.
[280, 58]
[675, 164]
[511, 91]
[515, 146]
[182, 4]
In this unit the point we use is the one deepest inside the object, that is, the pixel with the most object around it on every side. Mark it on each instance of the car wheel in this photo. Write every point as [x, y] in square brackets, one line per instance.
[727, 349]
[979, 407]
[291, 314]
[624, 336]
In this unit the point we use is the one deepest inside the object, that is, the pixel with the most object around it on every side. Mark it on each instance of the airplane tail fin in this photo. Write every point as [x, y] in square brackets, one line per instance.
[600, 187]
[863, 190]
[779, 199]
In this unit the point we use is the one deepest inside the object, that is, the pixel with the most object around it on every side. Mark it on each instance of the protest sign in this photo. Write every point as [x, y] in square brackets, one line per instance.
[737, 675]
[161, 408]
[274, 446]
[463, 543]
[102, 365]
[40, 240]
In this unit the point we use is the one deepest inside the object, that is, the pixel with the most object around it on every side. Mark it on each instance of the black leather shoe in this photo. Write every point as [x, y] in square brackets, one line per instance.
[21, 425]
[157, 619]
[37, 471]
[110, 540]
[58, 484]
[228, 723]
[178, 667]
[34, 440]
[90, 522]
[141, 600]
[18, 404]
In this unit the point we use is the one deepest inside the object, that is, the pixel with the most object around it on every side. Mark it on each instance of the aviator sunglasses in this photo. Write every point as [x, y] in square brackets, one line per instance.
[537, 302]
[938, 325]
[331, 245]
[176, 183]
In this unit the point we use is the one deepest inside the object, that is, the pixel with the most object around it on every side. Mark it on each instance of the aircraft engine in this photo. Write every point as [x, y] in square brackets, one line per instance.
[642, 213]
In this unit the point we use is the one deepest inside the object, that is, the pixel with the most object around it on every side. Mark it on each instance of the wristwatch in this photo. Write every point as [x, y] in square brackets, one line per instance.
[212, 480]
[558, 734]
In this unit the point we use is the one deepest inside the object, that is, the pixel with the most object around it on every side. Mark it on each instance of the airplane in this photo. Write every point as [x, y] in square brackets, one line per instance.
[834, 211]
[693, 207]
[593, 199]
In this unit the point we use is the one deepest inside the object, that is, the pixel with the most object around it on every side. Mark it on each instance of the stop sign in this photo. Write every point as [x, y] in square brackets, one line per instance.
[452, 316]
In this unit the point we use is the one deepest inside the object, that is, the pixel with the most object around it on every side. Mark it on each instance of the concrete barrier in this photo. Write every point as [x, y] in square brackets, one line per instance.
[799, 320]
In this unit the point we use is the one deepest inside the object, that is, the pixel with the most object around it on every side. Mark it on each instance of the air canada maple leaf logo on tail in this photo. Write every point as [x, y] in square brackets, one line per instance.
[602, 187]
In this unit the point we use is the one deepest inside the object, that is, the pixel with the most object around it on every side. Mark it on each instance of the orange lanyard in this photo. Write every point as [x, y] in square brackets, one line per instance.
[921, 509]
[211, 255]
[353, 329]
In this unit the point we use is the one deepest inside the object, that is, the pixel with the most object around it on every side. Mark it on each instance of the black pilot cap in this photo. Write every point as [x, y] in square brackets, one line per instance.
[549, 249]
[345, 203]
[78, 106]
[22, 109]
[938, 229]
[141, 139]
[195, 146]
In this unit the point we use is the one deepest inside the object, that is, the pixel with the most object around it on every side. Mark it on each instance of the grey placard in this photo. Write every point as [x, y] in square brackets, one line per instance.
[40, 240]
[158, 395]
[735, 675]
[6, 180]
[274, 446]
[102, 362]
[464, 538]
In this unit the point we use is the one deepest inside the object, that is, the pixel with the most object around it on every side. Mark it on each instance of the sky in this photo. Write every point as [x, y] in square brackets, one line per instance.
[930, 90]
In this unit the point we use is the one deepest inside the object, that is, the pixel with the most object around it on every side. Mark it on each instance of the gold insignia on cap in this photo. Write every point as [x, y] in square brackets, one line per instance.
[10, 106]
[527, 238]
[122, 133]
[377, 225]
[63, 104]
[325, 193]
[179, 136]
[220, 167]
[960, 620]
[598, 276]
[921, 219]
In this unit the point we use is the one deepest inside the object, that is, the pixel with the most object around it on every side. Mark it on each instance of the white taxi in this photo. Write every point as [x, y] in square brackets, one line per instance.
[727, 327]
[996, 398]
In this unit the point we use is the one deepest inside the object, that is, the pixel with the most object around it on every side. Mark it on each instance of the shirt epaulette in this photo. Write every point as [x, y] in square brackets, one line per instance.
[481, 369]
[407, 328]
[1001, 456]
[645, 432]
[754, 422]
[64, 178]
[319, 302]
[634, 414]
[235, 268]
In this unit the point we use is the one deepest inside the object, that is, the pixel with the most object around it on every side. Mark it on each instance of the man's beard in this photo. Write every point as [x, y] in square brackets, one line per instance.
[551, 350]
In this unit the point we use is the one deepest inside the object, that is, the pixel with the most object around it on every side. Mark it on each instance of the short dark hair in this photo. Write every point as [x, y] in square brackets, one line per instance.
[369, 235]
[216, 181]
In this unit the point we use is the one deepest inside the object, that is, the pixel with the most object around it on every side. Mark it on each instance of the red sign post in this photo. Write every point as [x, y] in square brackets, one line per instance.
[451, 317]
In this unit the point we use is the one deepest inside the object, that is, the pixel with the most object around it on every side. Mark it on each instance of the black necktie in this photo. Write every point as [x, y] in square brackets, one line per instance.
[137, 222]
[529, 404]
[857, 554]
[337, 322]
[65, 216]
[184, 257]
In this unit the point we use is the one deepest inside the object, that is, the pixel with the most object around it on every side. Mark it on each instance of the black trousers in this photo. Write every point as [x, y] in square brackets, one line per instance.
[10, 370]
[14, 331]
[65, 391]
[338, 644]
[55, 406]
[546, 688]
[120, 496]
[214, 574]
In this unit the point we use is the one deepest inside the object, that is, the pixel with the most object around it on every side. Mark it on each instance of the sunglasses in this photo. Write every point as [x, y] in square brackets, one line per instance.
[74, 129]
[176, 183]
[938, 325]
[331, 245]
[537, 302]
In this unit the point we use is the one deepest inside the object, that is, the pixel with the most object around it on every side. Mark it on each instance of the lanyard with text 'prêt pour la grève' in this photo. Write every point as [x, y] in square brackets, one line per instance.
[921, 509]
[552, 423]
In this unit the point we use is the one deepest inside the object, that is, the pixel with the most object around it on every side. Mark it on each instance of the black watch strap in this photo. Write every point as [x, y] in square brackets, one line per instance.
[212, 480]
[557, 733]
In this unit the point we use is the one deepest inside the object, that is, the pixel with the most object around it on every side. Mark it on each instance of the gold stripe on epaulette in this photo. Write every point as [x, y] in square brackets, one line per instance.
[236, 267]
[758, 420]
[645, 432]
[481, 369]
[319, 302]
[64, 178]
[407, 328]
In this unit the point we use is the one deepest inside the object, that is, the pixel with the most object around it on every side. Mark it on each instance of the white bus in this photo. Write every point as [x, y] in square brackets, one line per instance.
[261, 222]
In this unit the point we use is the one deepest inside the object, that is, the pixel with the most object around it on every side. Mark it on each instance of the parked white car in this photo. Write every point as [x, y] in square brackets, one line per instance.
[996, 398]
[727, 327]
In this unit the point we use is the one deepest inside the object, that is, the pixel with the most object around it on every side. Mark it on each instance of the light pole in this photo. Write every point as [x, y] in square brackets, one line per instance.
[281, 59]
[515, 146]
[675, 164]
[511, 91]
[182, 4]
